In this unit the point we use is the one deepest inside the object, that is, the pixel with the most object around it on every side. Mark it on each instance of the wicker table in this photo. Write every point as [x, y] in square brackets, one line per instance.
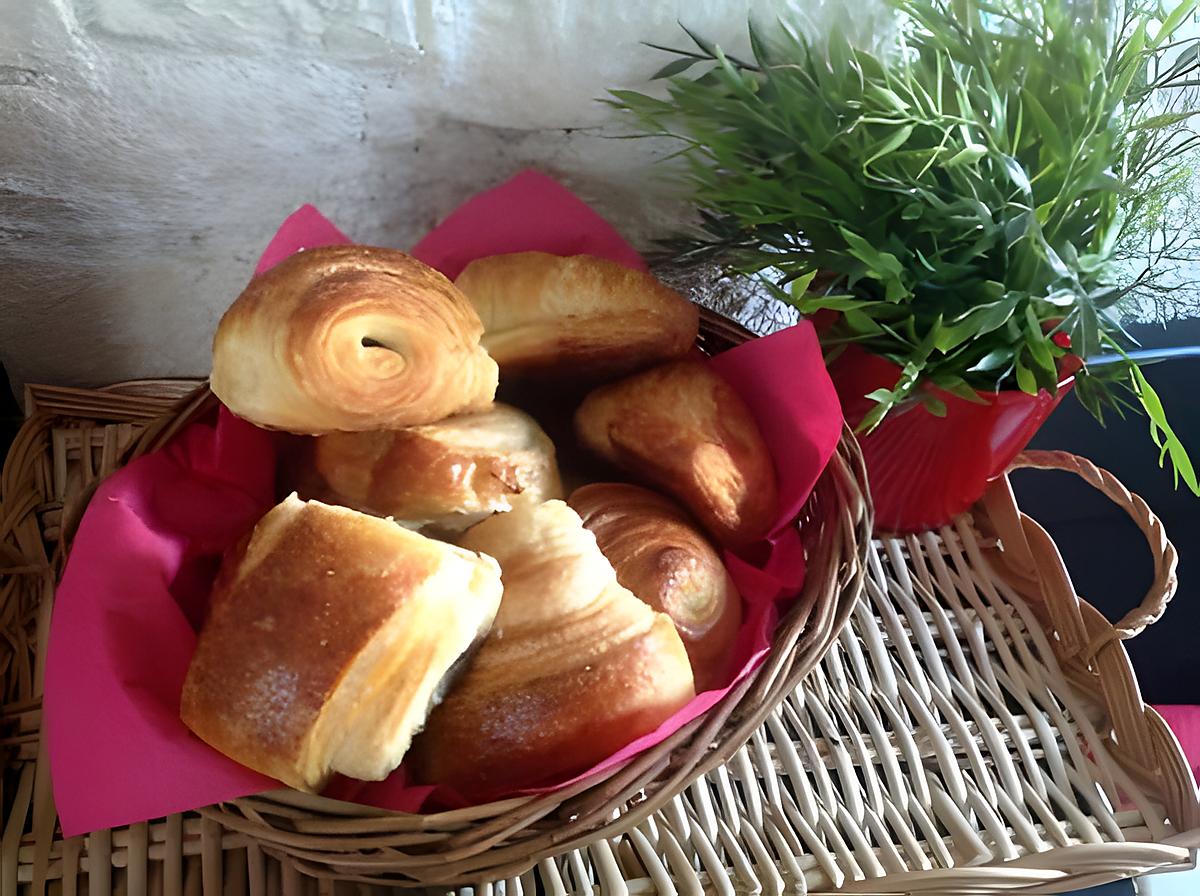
[977, 728]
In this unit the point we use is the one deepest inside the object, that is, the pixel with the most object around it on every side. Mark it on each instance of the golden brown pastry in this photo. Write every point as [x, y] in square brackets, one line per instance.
[574, 668]
[446, 476]
[681, 427]
[327, 639]
[660, 555]
[578, 316]
[350, 338]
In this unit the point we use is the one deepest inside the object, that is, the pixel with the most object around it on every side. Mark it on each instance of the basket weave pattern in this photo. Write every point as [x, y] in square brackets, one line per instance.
[506, 837]
[976, 727]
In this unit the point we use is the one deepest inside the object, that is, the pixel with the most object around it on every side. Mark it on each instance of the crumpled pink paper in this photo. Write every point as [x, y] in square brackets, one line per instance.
[143, 559]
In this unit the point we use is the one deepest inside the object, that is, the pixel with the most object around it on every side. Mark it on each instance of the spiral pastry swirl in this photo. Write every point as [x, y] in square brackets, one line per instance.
[350, 338]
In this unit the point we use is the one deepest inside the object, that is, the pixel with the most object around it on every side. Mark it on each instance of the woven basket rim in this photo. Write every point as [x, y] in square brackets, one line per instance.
[483, 839]
[36, 483]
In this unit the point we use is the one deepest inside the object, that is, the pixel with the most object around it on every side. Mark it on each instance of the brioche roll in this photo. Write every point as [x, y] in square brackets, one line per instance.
[682, 428]
[574, 668]
[659, 553]
[577, 317]
[350, 338]
[443, 476]
[327, 638]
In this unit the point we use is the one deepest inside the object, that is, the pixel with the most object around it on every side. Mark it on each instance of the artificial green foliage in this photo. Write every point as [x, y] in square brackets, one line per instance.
[961, 191]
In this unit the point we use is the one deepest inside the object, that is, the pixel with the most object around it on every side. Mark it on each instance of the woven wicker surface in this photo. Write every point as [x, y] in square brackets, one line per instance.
[975, 728]
[508, 837]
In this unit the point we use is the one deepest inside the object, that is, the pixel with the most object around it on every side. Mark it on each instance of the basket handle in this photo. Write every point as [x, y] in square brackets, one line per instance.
[1089, 646]
[1166, 560]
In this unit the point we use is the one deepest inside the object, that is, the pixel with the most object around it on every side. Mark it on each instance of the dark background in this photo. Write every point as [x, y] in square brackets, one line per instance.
[10, 414]
[1103, 549]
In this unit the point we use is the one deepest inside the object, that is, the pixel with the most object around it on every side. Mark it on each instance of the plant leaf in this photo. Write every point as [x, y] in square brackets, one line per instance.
[674, 67]
[993, 360]
[978, 322]
[799, 286]
[860, 323]
[963, 389]
[981, 176]
[706, 46]
[1165, 120]
[968, 155]
[1086, 338]
[1162, 434]
[880, 265]
[897, 139]
[1017, 175]
[1172, 22]
[1026, 381]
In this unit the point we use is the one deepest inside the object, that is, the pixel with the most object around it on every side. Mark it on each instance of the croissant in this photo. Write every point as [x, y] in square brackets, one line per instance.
[444, 476]
[574, 668]
[328, 636]
[350, 338]
[576, 316]
[660, 555]
[681, 427]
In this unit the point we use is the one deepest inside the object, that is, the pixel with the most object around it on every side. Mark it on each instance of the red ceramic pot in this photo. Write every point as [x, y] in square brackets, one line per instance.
[925, 470]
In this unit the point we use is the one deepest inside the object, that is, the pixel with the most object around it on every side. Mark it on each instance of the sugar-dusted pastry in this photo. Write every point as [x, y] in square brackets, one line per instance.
[681, 427]
[328, 637]
[350, 338]
[574, 668]
[447, 475]
[660, 554]
[579, 317]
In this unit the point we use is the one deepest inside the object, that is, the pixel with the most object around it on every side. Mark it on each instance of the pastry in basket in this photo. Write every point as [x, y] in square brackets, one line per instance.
[577, 316]
[682, 428]
[660, 554]
[444, 476]
[350, 338]
[574, 668]
[329, 637]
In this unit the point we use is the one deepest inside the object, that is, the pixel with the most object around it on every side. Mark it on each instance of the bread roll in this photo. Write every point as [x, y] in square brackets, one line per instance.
[444, 476]
[327, 639]
[660, 555]
[578, 317]
[574, 668]
[350, 338]
[681, 427]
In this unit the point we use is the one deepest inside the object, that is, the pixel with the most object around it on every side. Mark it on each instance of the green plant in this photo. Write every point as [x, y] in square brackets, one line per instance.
[963, 191]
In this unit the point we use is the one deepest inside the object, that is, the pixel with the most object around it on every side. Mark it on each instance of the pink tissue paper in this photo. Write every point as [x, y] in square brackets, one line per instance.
[137, 581]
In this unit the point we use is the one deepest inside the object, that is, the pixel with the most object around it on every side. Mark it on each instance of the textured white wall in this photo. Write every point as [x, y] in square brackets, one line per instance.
[148, 148]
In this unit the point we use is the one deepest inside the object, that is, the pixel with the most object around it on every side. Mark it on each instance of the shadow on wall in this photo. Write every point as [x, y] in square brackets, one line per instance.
[150, 149]
[1103, 549]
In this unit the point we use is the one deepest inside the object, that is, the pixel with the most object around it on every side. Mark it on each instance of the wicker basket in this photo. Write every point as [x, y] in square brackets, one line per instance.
[508, 837]
[953, 740]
